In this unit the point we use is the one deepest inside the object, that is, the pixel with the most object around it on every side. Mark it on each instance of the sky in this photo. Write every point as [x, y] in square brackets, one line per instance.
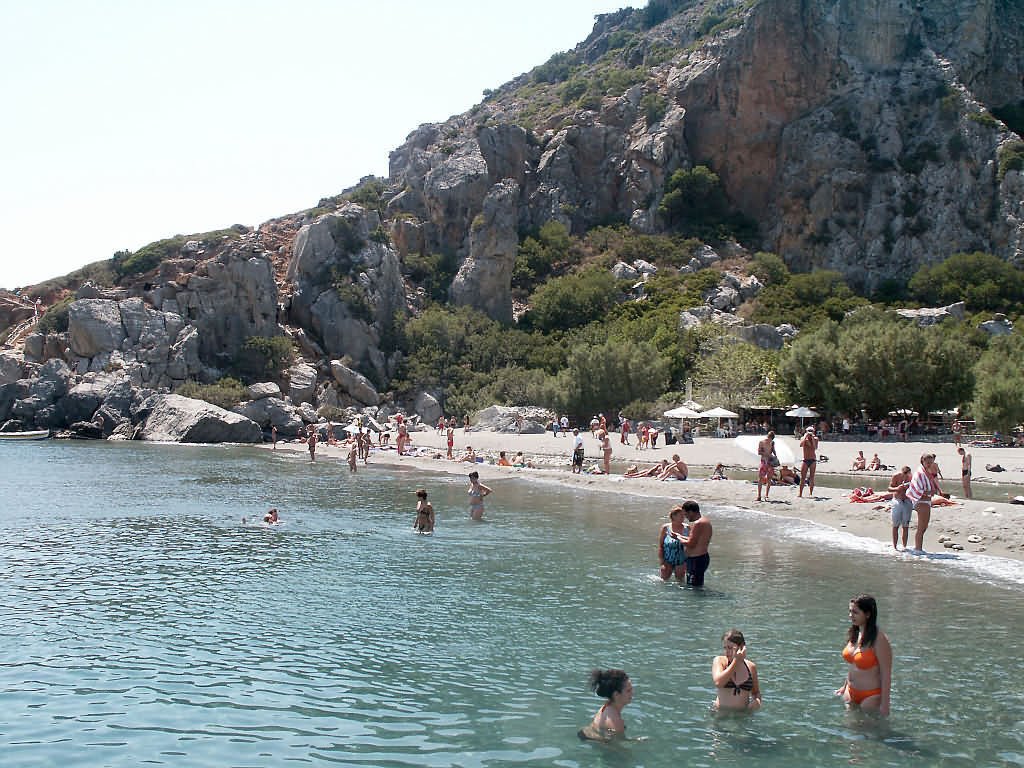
[128, 121]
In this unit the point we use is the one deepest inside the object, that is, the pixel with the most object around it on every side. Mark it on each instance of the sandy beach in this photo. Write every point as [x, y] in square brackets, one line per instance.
[992, 527]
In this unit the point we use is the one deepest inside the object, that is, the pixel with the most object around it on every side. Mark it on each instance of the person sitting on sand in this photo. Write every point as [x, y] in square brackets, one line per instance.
[677, 470]
[876, 463]
[424, 522]
[503, 460]
[520, 461]
[469, 456]
[787, 476]
[859, 463]
[615, 686]
[653, 471]
[271, 517]
[719, 473]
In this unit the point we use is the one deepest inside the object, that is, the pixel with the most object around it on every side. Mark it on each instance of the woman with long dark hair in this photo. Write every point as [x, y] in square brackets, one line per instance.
[615, 687]
[869, 656]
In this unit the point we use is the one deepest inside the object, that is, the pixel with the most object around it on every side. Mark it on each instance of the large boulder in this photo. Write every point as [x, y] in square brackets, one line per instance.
[94, 326]
[428, 408]
[264, 389]
[301, 383]
[173, 418]
[273, 412]
[357, 386]
[10, 367]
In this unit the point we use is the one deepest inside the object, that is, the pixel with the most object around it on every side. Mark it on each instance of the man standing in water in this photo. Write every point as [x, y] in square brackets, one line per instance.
[809, 445]
[696, 544]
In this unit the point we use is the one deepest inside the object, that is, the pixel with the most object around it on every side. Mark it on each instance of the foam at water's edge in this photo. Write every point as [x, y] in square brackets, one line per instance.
[985, 568]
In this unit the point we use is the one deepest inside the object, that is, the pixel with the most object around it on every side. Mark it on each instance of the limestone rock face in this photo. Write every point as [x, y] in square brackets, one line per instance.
[95, 327]
[273, 412]
[484, 280]
[173, 418]
[348, 284]
[264, 389]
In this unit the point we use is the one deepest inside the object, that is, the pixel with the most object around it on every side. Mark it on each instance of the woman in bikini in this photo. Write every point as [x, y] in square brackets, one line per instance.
[424, 522]
[615, 686]
[735, 676]
[477, 492]
[869, 656]
[766, 470]
[606, 450]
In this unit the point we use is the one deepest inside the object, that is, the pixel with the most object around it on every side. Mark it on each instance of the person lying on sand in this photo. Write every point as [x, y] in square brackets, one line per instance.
[866, 494]
[657, 469]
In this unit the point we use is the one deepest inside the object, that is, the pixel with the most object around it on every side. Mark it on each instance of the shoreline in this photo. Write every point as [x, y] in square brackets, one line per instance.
[980, 527]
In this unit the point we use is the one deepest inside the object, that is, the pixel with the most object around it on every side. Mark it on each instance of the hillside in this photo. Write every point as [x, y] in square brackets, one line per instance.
[761, 166]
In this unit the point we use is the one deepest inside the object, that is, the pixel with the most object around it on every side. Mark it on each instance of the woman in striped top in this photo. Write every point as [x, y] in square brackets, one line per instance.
[922, 487]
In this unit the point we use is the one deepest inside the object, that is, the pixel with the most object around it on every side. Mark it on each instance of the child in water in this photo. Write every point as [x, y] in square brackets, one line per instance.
[424, 522]
[271, 517]
[615, 686]
[353, 454]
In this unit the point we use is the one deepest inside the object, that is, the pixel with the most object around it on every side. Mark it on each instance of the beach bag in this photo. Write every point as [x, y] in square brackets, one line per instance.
[773, 460]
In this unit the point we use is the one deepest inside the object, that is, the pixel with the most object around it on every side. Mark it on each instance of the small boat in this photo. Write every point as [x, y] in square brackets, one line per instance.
[35, 434]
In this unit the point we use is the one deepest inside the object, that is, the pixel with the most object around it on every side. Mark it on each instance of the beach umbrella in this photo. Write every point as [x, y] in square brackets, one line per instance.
[719, 413]
[749, 444]
[802, 412]
[682, 412]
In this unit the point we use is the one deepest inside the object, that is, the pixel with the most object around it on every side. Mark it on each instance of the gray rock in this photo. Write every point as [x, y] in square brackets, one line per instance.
[33, 347]
[357, 386]
[173, 418]
[308, 413]
[94, 326]
[645, 267]
[623, 271]
[999, 325]
[760, 335]
[273, 412]
[427, 408]
[301, 382]
[934, 315]
[10, 367]
[484, 279]
[264, 389]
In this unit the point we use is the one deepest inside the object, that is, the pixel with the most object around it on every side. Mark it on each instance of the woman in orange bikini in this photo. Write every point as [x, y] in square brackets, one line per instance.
[869, 656]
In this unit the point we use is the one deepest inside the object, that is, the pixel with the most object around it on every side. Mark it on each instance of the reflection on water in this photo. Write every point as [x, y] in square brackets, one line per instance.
[144, 622]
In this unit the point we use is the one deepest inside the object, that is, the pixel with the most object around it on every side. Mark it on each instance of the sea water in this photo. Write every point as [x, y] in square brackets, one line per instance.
[143, 623]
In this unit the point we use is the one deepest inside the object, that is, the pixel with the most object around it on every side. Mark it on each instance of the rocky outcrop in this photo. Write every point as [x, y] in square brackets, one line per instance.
[273, 412]
[933, 315]
[173, 418]
[348, 285]
[11, 365]
[301, 383]
[484, 280]
[428, 408]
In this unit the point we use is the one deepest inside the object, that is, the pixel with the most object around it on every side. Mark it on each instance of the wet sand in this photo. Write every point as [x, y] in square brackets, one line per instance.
[994, 528]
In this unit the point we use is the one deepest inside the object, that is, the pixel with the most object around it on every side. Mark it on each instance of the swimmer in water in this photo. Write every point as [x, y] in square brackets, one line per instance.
[271, 517]
[424, 522]
[615, 686]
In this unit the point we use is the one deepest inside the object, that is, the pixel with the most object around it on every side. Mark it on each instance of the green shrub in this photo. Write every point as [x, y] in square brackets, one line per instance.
[654, 106]
[556, 69]
[262, 358]
[573, 300]
[983, 118]
[55, 319]
[537, 255]
[368, 193]
[345, 235]
[981, 280]
[769, 268]
[127, 263]
[354, 296]
[226, 393]
[1011, 157]
[434, 271]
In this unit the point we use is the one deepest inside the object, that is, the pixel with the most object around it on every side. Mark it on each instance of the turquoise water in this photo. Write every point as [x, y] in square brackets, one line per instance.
[143, 623]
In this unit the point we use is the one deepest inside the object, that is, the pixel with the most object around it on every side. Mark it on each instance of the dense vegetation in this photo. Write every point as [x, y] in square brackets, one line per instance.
[588, 342]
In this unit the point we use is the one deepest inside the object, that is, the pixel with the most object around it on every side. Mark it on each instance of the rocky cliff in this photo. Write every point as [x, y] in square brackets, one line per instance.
[860, 135]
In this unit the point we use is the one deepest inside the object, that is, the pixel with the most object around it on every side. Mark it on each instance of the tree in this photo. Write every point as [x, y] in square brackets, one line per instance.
[998, 403]
[606, 377]
[876, 362]
[573, 300]
[981, 280]
[734, 374]
[692, 198]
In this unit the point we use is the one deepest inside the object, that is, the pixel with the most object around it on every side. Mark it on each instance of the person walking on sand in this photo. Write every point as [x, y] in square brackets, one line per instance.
[577, 452]
[477, 492]
[353, 454]
[900, 507]
[965, 471]
[809, 446]
[625, 429]
[696, 544]
[606, 450]
[922, 487]
[766, 469]
[957, 432]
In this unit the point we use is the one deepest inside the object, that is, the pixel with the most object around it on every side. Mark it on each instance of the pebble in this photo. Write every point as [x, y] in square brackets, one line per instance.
[975, 539]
